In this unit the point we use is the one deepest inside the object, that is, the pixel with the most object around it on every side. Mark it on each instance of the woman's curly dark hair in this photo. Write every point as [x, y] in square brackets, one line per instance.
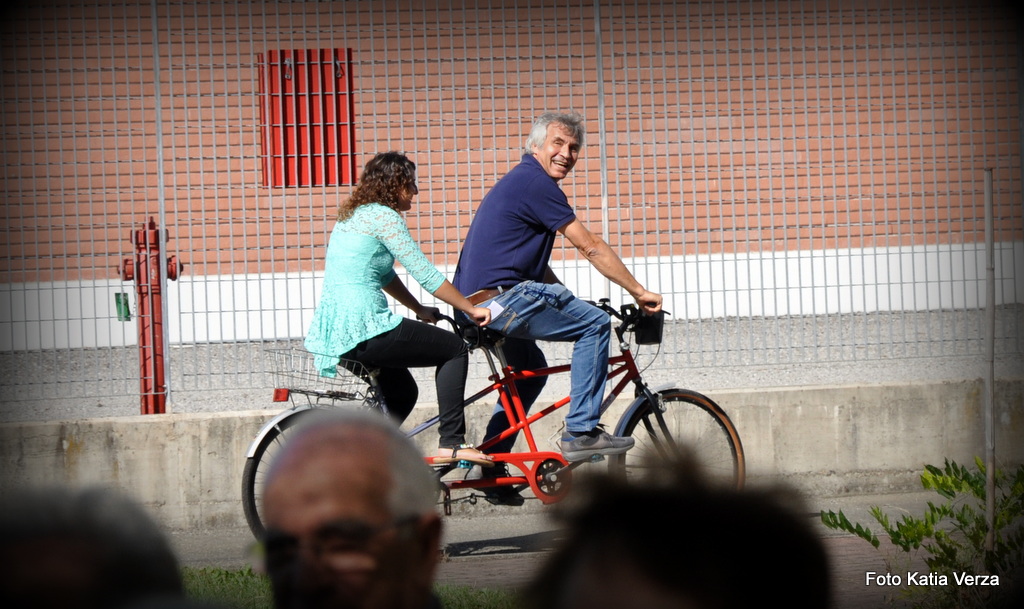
[384, 178]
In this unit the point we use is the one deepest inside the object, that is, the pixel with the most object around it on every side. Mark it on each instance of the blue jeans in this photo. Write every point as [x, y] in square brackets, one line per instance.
[542, 311]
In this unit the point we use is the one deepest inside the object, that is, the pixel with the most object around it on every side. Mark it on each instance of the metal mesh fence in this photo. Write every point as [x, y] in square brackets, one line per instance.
[803, 181]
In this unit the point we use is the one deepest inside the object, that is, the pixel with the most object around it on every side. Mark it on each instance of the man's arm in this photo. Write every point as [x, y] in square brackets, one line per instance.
[608, 263]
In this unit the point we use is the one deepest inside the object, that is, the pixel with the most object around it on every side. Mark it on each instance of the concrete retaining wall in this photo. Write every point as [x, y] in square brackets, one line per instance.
[824, 440]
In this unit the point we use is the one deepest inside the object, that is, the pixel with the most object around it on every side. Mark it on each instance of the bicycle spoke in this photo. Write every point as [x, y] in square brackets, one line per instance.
[691, 424]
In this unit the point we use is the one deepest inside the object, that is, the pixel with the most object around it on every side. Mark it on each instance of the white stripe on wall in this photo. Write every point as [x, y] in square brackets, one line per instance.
[69, 315]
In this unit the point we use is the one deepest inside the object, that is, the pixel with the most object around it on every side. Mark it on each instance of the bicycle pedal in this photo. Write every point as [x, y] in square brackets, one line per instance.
[596, 458]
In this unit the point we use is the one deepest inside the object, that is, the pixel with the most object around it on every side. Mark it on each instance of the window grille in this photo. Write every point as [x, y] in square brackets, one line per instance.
[306, 115]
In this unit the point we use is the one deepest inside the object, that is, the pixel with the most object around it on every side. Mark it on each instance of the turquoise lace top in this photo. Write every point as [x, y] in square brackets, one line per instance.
[360, 261]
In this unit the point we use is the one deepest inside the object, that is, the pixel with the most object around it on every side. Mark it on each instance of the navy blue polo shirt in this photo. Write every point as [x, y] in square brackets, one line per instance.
[513, 231]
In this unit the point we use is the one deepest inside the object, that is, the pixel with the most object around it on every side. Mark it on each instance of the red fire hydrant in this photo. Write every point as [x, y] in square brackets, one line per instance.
[144, 270]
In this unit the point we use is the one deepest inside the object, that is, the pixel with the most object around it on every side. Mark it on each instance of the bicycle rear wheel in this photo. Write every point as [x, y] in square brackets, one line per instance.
[689, 422]
[255, 472]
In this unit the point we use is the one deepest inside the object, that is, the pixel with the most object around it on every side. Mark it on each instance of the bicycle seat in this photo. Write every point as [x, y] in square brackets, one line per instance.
[477, 337]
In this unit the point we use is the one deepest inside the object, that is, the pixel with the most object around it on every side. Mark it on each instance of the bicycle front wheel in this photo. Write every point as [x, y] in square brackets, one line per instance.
[686, 422]
[255, 472]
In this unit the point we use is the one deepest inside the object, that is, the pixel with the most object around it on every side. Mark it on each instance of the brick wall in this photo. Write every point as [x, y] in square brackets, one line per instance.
[730, 127]
[748, 159]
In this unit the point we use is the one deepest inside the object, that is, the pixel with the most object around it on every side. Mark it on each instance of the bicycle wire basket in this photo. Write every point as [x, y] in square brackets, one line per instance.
[295, 371]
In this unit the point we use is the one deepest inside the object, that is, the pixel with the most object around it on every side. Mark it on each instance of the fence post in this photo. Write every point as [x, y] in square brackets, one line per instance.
[990, 355]
[144, 270]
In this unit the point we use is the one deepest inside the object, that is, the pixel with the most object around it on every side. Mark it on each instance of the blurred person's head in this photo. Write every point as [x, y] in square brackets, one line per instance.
[81, 548]
[673, 540]
[350, 511]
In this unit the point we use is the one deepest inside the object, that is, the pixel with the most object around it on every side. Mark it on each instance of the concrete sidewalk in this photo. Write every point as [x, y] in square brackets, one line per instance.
[500, 547]
[851, 559]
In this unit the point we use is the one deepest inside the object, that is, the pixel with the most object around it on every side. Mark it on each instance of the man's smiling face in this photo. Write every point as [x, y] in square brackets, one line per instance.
[559, 152]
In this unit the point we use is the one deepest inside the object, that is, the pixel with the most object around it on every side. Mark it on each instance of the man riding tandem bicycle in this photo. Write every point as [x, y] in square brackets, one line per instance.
[513, 299]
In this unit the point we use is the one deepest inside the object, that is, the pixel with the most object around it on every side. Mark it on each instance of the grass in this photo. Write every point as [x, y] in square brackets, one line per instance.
[248, 589]
[464, 597]
[241, 589]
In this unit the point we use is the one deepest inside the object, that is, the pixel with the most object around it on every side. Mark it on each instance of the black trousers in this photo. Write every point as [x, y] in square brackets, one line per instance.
[414, 344]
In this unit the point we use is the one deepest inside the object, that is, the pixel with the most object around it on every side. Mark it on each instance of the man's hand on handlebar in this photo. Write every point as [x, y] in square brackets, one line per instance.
[649, 302]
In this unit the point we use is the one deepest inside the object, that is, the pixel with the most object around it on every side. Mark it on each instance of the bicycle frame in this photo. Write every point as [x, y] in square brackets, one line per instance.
[655, 418]
[533, 460]
[622, 365]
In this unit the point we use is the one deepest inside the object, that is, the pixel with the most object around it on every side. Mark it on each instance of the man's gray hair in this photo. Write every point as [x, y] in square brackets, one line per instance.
[414, 487]
[572, 122]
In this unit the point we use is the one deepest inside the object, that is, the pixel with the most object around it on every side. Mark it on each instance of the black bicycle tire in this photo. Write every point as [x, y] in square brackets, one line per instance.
[255, 471]
[709, 436]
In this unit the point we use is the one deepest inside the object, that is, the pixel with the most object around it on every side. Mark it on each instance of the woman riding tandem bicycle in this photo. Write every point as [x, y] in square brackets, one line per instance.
[352, 321]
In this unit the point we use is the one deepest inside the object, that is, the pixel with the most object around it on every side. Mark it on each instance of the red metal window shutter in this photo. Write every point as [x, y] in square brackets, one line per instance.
[306, 117]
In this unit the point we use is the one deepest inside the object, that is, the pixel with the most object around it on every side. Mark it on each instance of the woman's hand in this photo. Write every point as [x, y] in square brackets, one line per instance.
[431, 315]
[481, 316]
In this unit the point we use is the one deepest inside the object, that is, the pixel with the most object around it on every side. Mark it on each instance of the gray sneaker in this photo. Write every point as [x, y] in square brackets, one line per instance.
[597, 442]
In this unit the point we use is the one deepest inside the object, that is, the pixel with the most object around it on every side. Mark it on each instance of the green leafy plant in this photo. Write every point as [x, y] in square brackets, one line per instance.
[950, 538]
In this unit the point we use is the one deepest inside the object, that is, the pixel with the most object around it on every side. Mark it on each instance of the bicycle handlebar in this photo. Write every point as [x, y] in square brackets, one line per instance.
[451, 322]
[629, 316]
